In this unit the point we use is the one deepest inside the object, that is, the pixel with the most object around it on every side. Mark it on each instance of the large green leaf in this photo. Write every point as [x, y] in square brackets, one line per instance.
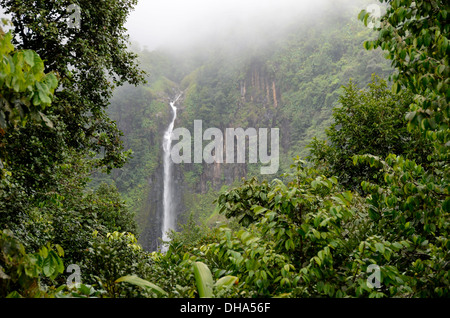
[29, 57]
[203, 279]
[49, 267]
[132, 279]
[226, 281]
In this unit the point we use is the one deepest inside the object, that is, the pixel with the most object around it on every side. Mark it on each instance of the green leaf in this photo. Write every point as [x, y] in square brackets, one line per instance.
[361, 247]
[60, 250]
[397, 245]
[51, 81]
[289, 244]
[226, 281]
[132, 279]
[44, 98]
[57, 262]
[49, 267]
[316, 233]
[379, 247]
[387, 255]
[410, 116]
[29, 57]
[259, 209]
[32, 268]
[43, 252]
[85, 290]
[395, 88]
[48, 122]
[427, 39]
[318, 261]
[366, 17]
[362, 14]
[446, 205]
[203, 279]
[368, 45]
[6, 46]
[36, 101]
[14, 294]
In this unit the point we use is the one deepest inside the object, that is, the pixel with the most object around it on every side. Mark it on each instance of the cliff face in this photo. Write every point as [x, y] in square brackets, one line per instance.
[150, 214]
[259, 86]
[254, 100]
[257, 90]
[153, 208]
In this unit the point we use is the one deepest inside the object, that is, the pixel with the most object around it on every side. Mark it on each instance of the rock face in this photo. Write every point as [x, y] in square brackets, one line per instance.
[213, 175]
[153, 208]
[259, 86]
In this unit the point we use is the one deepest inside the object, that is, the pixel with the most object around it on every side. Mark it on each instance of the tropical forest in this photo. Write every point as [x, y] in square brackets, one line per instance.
[282, 149]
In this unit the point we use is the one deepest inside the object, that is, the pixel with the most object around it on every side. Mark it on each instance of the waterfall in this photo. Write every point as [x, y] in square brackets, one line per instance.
[168, 215]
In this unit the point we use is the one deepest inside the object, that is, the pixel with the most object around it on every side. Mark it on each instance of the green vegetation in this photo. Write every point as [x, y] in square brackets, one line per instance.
[26, 90]
[54, 133]
[370, 194]
[372, 122]
[290, 82]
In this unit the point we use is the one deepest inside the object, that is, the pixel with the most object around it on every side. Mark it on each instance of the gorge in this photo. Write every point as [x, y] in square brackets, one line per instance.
[290, 84]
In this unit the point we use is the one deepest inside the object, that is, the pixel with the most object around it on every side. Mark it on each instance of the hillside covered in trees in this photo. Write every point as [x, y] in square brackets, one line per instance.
[291, 82]
[359, 205]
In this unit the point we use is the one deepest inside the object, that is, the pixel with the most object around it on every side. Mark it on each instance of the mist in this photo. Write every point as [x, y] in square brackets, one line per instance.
[178, 24]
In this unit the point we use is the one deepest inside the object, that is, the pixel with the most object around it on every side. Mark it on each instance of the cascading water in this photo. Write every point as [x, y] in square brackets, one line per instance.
[168, 217]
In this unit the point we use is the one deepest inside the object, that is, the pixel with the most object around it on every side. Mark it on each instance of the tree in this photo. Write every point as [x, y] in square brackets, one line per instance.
[26, 93]
[25, 89]
[369, 121]
[415, 36]
[402, 224]
[22, 273]
[90, 59]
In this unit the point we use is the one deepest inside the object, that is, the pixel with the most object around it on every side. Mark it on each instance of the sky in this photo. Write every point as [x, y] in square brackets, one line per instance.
[156, 23]
[178, 23]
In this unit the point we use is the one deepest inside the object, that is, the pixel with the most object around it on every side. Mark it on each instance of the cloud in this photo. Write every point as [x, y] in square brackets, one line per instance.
[173, 23]
[180, 23]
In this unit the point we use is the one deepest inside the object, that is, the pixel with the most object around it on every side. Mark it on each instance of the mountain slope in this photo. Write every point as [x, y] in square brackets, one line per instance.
[290, 82]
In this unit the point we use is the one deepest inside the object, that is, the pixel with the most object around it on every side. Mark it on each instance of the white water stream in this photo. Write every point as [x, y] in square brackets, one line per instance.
[168, 215]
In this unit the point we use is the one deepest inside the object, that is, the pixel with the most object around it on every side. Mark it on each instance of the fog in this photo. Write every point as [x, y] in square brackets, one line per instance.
[179, 23]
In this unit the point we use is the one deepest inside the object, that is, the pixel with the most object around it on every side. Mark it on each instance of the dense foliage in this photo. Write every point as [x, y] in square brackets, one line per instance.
[369, 121]
[54, 133]
[89, 62]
